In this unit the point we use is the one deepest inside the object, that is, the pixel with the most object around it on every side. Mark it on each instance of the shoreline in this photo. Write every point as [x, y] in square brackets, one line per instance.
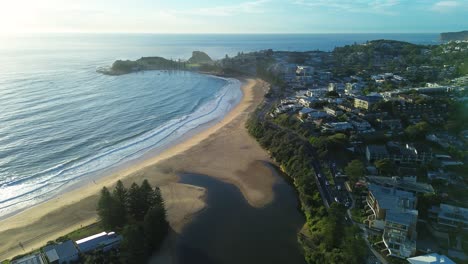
[223, 104]
[183, 201]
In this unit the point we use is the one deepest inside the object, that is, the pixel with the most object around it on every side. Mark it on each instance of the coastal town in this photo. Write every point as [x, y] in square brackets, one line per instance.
[374, 137]
[390, 145]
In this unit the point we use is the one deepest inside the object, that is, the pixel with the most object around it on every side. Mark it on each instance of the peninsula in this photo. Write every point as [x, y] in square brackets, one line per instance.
[120, 67]
[453, 36]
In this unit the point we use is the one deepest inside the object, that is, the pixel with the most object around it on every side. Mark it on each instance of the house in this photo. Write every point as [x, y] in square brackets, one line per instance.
[432, 258]
[308, 101]
[336, 127]
[305, 111]
[393, 212]
[332, 111]
[449, 216]
[102, 241]
[365, 102]
[304, 70]
[37, 258]
[64, 252]
[353, 88]
[376, 152]
[408, 184]
[393, 124]
[409, 153]
[362, 126]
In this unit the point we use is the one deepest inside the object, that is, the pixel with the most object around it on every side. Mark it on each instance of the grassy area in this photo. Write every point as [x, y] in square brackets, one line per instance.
[358, 215]
[83, 232]
[75, 235]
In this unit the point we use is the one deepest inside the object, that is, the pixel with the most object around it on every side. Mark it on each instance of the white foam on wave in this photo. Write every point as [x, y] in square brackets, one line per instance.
[16, 197]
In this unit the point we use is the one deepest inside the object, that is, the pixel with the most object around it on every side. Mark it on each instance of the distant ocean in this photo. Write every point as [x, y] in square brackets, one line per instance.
[61, 123]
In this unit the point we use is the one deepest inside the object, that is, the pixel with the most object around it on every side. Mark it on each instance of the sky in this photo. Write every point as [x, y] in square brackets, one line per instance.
[233, 16]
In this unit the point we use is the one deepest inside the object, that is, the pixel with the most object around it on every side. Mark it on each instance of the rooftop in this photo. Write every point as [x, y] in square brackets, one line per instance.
[389, 198]
[31, 259]
[402, 183]
[63, 250]
[377, 149]
[433, 258]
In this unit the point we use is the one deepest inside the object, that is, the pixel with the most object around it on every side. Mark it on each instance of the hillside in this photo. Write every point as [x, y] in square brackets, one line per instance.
[417, 63]
[200, 57]
[449, 36]
[121, 67]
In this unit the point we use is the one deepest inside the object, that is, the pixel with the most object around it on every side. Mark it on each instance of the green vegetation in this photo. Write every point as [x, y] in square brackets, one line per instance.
[355, 171]
[448, 36]
[401, 57]
[325, 238]
[200, 57]
[146, 63]
[140, 214]
[417, 131]
[385, 166]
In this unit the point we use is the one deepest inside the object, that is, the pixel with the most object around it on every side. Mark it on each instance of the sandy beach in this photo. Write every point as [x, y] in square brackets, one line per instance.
[224, 151]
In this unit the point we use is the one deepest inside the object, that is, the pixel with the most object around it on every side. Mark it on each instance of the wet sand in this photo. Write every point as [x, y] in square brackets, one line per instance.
[224, 151]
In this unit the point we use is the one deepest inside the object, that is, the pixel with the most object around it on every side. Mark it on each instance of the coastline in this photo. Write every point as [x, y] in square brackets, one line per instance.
[60, 215]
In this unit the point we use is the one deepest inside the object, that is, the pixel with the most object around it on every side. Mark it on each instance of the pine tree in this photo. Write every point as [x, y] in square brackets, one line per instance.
[155, 227]
[104, 207]
[135, 202]
[120, 193]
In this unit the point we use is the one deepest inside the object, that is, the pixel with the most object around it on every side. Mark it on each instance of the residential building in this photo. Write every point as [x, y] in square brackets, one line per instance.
[408, 184]
[102, 241]
[409, 153]
[64, 252]
[362, 126]
[333, 111]
[37, 258]
[393, 212]
[305, 111]
[393, 124]
[304, 70]
[336, 127]
[376, 152]
[365, 102]
[432, 258]
[449, 216]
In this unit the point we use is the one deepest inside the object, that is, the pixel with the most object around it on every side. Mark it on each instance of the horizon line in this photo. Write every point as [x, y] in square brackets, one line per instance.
[213, 33]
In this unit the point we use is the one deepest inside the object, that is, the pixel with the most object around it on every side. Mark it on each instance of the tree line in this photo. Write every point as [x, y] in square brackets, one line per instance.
[325, 238]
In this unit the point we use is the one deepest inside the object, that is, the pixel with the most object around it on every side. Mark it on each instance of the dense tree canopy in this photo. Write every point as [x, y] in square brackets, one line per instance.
[139, 213]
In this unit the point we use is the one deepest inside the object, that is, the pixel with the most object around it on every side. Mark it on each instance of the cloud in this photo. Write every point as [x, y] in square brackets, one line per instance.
[356, 6]
[445, 6]
[253, 7]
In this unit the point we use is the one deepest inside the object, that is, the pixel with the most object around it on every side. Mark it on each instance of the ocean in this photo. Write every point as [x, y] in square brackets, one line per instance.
[62, 123]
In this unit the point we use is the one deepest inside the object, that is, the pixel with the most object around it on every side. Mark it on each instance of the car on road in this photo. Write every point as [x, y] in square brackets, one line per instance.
[327, 183]
[318, 174]
[337, 200]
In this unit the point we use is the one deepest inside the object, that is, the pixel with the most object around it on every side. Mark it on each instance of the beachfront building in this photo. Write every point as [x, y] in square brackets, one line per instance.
[393, 212]
[64, 252]
[37, 258]
[102, 242]
[433, 258]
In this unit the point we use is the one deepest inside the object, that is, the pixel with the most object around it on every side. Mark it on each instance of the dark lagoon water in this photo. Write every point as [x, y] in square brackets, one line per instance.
[231, 231]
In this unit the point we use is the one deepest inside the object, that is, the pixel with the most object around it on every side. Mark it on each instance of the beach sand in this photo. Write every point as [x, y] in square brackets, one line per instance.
[225, 151]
